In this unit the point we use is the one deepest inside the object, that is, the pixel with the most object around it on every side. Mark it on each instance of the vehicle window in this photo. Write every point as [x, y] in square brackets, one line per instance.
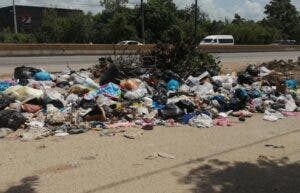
[226, 41]
[207, 40]
[122, 43]
[132, 43]
[215, 41]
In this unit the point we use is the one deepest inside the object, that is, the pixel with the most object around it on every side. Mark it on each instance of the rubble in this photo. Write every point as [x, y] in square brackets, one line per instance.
[60, 104]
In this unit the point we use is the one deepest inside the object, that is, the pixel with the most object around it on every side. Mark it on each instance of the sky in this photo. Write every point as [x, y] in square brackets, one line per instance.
[216, 9]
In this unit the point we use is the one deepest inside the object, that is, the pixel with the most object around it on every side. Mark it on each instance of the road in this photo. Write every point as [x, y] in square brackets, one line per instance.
[256, 57]
[58, 63]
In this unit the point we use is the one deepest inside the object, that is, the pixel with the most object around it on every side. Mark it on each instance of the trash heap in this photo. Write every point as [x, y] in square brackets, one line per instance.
[111, 98]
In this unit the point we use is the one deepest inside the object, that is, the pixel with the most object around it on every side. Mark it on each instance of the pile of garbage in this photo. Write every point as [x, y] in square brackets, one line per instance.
[38, 104]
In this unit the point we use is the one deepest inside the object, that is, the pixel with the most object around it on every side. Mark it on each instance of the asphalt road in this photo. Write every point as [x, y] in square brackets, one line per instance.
[58, 63]
[256, 57]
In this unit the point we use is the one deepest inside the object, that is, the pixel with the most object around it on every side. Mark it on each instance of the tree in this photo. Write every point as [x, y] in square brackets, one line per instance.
[52, 28]
[160, 16]
[113, 4]
[238, 19]
[250, 32]
[282, 14]
[75, 28]
[78, 28]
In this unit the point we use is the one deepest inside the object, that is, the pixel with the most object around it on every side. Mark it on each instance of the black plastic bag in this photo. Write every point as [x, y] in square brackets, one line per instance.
[186, 105]
[112, 74]
[11, 119]
[235, 104]
[170, 75]
[216, 85]
[56, 103]
[160, 95]
[62, 84]
[170, 111]
[86, 104]
[245, 78]
[252, 70]
[24, 72]
[5, 101]
[241, 94]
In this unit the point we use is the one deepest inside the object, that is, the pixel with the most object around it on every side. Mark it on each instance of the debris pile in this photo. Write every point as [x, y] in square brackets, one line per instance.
[110, 98]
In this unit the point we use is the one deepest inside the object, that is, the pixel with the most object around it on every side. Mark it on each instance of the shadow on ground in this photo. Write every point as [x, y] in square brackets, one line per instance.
[27, 185]
[265, 176]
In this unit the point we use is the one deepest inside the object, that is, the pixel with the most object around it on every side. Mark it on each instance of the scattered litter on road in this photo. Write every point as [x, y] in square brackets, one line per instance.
[160, 154]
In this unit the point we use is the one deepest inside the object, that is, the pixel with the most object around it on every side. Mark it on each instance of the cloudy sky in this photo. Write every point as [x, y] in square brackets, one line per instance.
[216, 9]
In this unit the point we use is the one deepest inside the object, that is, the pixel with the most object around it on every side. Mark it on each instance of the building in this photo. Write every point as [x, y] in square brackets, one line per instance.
[29, 18]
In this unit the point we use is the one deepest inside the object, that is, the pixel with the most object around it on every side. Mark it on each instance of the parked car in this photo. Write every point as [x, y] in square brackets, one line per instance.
[284, 42]
[130, 42]
[218, 40]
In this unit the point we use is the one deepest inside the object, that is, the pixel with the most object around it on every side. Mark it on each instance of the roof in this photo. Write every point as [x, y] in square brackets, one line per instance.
[219, 36]
[41, 7]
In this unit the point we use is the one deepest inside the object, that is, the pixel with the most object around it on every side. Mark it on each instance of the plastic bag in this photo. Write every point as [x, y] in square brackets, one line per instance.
[252, 70]
[291, 84]
[201, 121]
[186, 105]
[11, 119]
[173, 85]
[170, 111]
[5, 85]
[160, 95]
[23, 93]
[42, 76]
[5, 101]
[193, 81]
[52, 96]
[245, 79]
[110, 90]
[290, 104]
[112, 74]
[202, 90]
[25, 72]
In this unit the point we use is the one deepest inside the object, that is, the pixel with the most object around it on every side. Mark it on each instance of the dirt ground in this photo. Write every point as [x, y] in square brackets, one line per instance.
[255, 156]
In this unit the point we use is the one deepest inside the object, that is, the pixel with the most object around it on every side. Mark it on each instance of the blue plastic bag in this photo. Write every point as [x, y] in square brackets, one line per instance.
[42, 76]
[5, 85]
[173, 85]
[291, 84]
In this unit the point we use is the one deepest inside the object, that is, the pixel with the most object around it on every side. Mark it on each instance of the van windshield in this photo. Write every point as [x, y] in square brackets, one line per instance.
[207, 40]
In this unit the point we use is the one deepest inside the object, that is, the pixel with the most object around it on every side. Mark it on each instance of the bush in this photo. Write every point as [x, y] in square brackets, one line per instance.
[185, 59]
[6, 36]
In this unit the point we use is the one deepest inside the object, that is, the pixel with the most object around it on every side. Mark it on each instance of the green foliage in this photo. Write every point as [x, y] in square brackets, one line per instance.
[113, 4]
[52, 29]
[6, 36]
[283, 15]
[238, 19]
[160, 17]
[251, 33]
[185, 59]
[113, 26]
[77, 28]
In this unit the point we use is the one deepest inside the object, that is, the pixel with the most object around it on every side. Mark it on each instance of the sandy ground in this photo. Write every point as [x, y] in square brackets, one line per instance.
[219, 159]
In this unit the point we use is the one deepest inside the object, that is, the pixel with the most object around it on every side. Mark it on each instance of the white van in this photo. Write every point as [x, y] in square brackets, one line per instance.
[218, 40]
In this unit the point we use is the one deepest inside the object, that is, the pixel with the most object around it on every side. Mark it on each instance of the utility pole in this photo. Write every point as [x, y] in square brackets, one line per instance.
[196, 22]
[15, 17]
[143, 21]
